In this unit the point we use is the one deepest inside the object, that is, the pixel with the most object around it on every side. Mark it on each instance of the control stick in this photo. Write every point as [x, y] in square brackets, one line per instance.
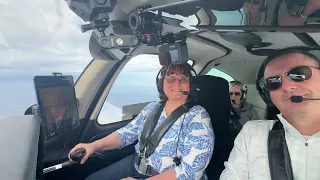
[78, 154]
[75, 156]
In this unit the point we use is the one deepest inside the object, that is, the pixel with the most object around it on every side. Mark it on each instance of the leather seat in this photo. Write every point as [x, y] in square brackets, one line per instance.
[214, 96]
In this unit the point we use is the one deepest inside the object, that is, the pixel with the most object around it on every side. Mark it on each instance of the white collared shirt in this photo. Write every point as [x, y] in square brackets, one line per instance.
[248, 159]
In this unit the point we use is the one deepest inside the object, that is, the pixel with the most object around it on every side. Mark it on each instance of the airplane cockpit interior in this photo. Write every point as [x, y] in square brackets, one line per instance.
[76, 71]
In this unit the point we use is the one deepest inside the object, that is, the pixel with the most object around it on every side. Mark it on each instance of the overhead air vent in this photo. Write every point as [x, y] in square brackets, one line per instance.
[241, 38]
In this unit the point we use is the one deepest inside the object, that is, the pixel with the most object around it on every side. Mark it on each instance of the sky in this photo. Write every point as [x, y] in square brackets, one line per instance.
[38, 37]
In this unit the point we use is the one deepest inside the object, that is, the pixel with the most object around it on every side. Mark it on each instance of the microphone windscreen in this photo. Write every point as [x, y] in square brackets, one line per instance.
[185, 93]
[296, 99]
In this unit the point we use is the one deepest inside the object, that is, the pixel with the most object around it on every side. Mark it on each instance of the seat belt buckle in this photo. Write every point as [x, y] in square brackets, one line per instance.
[145, 167]
[137, 158]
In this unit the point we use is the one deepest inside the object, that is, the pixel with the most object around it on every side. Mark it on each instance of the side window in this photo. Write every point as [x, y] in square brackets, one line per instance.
[134, 87]
[218, 73]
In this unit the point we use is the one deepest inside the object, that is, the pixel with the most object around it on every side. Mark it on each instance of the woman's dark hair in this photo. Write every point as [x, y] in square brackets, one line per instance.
[172, 69]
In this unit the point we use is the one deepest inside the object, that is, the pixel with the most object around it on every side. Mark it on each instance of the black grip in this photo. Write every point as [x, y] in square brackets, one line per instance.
[78, 154]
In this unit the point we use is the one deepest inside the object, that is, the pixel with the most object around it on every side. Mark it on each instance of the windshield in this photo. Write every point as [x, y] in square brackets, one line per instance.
[37, 38]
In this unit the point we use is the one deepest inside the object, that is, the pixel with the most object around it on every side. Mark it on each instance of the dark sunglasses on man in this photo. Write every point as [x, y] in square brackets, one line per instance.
[296, 74]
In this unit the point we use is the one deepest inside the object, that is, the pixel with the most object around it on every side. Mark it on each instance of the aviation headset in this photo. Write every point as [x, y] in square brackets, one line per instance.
[263, 92]
[192, 81]
[244, 89]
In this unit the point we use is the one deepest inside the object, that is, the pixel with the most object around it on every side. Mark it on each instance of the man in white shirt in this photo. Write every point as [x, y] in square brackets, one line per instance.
[290, 72]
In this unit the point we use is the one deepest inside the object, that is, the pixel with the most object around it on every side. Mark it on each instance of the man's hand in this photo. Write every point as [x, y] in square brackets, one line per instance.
[128, 178]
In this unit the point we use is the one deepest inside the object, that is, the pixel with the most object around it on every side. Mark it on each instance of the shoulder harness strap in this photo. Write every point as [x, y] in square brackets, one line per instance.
[150, 124]
[165, 126]
[278, 154]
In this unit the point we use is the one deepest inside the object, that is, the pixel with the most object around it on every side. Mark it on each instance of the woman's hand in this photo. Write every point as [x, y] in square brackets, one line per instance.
[90, 149]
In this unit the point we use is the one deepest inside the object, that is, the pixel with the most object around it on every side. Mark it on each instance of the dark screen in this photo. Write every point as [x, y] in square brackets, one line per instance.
[58, 104]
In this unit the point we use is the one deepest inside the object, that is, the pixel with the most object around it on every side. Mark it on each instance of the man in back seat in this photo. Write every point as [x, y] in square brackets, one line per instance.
[288, 77]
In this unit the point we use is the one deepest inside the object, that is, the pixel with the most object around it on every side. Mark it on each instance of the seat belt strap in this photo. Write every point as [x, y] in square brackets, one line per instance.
[278, 154]
[165, 126]
[150, 124]
[235, 119]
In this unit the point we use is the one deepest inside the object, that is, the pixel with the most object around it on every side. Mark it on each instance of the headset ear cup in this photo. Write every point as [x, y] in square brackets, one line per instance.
[264, 94]
[193, 83]
[244, 92]
[160, 85]
[242, 96]
[266, 97]
[159, 80]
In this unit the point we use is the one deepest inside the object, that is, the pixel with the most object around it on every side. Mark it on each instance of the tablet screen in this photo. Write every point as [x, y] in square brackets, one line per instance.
[58, 104]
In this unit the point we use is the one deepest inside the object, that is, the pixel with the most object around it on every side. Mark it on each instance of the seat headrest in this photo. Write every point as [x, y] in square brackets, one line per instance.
[213, 95]
[213, 91]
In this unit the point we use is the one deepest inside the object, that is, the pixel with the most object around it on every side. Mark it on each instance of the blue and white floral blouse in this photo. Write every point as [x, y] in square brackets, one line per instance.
[195, 146]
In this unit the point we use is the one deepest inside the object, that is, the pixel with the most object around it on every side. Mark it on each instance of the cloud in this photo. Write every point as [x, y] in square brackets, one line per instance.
[149, 62]
[38, 37]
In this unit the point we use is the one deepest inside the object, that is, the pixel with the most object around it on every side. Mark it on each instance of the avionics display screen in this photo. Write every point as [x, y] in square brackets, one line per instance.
[58, 104]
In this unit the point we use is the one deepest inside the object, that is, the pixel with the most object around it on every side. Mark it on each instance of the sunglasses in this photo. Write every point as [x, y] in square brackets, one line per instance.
[172, 79]
[296, 74]
[234, 93]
